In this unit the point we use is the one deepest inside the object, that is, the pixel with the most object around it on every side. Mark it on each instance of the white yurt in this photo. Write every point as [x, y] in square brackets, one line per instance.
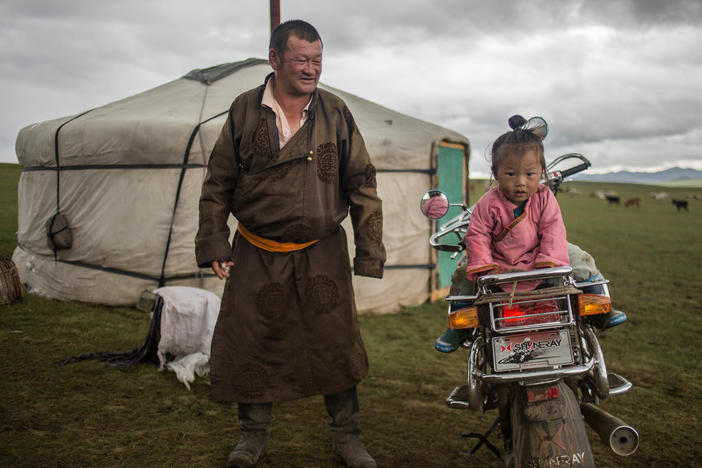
[108, 198]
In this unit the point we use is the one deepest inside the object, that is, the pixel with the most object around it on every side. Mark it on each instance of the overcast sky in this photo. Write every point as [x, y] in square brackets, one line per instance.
[618, 80]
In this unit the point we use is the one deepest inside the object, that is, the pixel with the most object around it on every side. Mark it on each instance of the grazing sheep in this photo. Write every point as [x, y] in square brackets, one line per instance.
[658, 195]
[633, 202]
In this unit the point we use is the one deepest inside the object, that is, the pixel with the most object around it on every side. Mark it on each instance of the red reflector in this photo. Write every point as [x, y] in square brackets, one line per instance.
[542, 394]
[514, 311]
[529, 313]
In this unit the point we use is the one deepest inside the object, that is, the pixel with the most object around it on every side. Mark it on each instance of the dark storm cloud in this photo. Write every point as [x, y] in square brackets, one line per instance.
[383, 22]
[602, 72]
[70, 35]
[644, 13]
[62, 57]
[619, 71]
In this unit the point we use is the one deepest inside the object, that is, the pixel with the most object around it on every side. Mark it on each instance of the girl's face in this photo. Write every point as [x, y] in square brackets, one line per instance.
[518, 176]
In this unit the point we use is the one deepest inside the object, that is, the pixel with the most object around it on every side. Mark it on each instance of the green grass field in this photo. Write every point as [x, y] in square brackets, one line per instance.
[696, 183]
[90, 414]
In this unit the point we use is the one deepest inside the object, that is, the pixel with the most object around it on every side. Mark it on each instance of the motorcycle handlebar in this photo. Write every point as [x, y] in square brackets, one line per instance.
[574, 170]
[558, 176]
[459, 224]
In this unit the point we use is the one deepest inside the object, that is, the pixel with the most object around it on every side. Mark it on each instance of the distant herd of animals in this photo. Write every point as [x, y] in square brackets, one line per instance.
[614, 199]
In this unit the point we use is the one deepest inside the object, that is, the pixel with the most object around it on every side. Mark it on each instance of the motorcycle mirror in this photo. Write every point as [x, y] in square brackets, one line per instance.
[434, 204]
[537, 126]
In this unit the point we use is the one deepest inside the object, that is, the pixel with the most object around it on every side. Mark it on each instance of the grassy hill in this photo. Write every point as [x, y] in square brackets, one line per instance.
[89, 414]
[692, 183]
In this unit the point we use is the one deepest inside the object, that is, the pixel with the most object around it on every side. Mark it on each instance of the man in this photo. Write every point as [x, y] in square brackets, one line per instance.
[290, 164]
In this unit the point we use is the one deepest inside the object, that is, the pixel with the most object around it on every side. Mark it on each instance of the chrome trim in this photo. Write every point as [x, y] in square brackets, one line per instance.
[531, 375]
[600, 369]
[622, 438]
[458, 225]
[585, 284]
[565, 317]
[563, 157]
[618, 385]
[461, 298]
[542, 273]
[535, 327]
[454, 403]
[476, 398]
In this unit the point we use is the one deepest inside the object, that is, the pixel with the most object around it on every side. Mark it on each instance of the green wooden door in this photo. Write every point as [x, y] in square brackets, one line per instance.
[451, 178]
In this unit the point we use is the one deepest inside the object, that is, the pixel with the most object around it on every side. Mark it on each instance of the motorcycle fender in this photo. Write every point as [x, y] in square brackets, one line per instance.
[550, 432]
[545, 410]
[543, 402]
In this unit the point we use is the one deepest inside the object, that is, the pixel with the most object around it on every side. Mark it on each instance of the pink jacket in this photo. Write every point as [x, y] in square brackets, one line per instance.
[536, 239]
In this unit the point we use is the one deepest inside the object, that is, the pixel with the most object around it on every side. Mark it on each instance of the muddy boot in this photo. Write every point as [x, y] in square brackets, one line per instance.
[346, 429]
[614, 318]
[450, 340]
[608, 320]
[255, 423]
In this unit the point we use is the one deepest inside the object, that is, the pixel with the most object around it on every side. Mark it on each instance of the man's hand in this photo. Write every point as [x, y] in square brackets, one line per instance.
[221, 269]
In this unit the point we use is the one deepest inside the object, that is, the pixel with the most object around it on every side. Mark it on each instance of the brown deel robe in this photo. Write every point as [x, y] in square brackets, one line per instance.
[288, 327]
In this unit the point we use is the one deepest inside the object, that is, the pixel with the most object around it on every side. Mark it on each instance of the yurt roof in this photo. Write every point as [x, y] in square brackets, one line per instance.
[157, 126]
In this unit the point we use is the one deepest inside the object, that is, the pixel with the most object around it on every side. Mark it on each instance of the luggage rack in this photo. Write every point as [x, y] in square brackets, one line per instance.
[519, 311]
[530, 314]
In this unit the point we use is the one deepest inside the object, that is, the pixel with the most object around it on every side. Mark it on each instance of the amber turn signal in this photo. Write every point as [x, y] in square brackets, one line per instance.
[464, 318]
[594, 304]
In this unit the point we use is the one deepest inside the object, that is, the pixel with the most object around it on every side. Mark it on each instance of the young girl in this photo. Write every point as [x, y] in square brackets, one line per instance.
[517, 225]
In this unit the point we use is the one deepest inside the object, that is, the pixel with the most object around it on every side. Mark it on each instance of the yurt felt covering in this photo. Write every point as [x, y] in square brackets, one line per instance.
[127, 177]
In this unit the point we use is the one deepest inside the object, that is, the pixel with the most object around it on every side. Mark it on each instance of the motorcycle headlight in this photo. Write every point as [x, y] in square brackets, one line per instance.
[594, 304]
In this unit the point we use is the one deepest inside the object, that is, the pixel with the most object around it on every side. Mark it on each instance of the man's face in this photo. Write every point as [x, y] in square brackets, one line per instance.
[297, 72]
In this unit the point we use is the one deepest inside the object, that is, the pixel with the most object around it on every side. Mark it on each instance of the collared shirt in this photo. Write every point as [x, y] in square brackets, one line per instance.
[281, 122]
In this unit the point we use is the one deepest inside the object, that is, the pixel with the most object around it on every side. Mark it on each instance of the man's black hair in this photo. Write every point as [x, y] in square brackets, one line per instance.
[298, 28]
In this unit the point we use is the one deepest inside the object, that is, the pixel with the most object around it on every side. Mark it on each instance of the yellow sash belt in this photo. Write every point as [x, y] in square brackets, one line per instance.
[271, 245]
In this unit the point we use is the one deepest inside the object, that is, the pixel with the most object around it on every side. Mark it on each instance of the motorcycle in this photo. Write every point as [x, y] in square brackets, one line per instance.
[534, 356]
